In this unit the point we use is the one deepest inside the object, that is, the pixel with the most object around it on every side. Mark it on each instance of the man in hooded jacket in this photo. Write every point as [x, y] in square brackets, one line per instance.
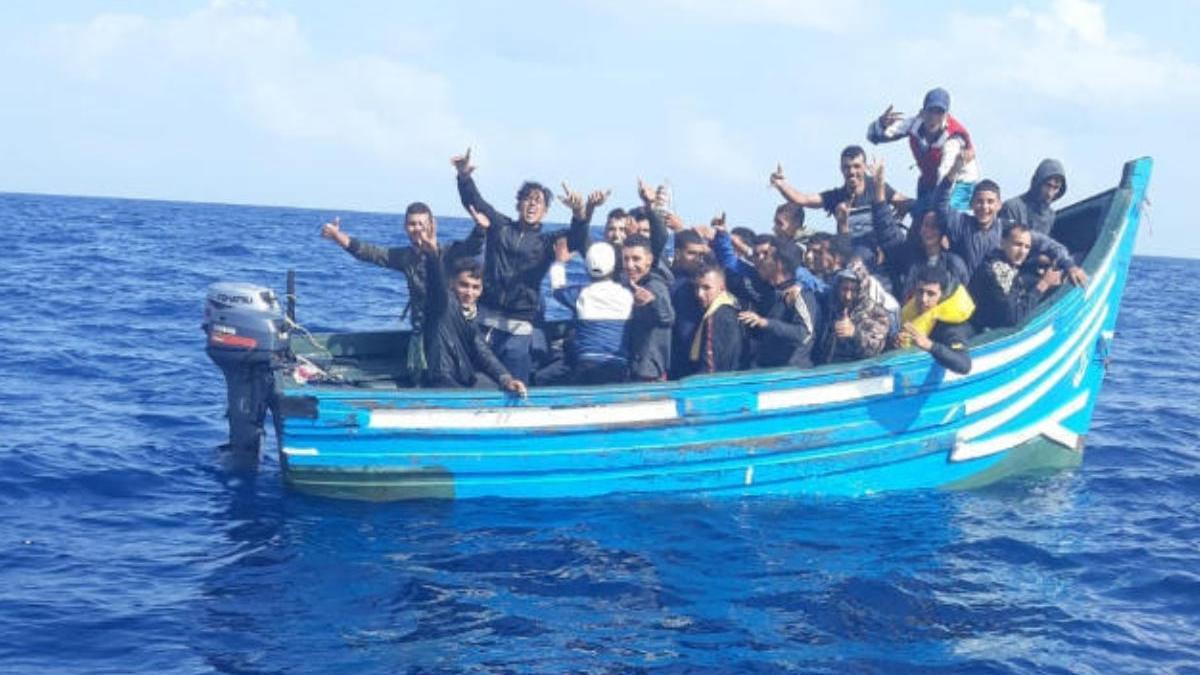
[1034, 208]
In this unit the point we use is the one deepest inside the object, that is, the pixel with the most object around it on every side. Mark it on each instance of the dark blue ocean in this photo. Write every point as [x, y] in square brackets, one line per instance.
[129, 544]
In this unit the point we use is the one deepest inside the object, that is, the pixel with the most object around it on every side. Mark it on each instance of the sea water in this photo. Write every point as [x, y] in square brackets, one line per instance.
[129, 544]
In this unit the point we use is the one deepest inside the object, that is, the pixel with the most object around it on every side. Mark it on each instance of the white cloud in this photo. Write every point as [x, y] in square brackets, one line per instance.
[820, 15]
[259, 62]
[1064, 53]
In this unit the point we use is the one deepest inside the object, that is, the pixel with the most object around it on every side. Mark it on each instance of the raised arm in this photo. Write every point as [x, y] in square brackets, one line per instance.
[658, 226]
[579, 234]
[780, 183]
[469, 194]
[383, 256]
[473, 244]
[890, 126]
[722, 248]
[888, 232]
[1058, 253]
[437, 296]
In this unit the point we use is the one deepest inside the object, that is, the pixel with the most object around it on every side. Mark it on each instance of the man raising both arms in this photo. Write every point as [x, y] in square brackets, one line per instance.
[518, 255]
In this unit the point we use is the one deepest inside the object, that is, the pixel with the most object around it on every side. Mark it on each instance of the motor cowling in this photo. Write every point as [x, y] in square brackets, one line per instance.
[247, 337]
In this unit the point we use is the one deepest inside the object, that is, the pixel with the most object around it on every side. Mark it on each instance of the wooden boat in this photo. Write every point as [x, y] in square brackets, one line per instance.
[895, 422]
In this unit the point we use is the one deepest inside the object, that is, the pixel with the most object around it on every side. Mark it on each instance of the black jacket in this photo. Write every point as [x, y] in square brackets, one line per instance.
[788, 337]
[950, 346]
[650, 332]
[517, 258]
[410, 262]
[687, 318]
[454, 348]
[1004, 295]
[721, 339]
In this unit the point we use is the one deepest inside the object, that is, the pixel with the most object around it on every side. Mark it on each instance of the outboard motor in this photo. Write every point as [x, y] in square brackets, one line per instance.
[247, 339]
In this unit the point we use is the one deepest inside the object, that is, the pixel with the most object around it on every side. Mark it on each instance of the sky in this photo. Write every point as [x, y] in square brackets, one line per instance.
[359, 105]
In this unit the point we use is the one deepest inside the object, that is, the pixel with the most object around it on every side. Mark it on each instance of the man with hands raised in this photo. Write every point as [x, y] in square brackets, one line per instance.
[409, 260]
[454, 348]
[518, 255]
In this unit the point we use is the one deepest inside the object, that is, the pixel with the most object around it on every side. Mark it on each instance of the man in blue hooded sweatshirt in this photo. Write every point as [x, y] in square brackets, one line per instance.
[1049, 183]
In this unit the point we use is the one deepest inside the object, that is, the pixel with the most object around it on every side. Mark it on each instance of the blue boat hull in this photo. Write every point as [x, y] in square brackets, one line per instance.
[896, 422]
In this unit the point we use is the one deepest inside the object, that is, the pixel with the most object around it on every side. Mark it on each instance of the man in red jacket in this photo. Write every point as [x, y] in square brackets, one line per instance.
[936, 140]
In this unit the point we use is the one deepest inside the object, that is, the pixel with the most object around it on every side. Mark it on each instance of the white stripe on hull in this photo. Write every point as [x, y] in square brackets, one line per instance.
[977, 403]
[838, 392]
[1019, 406]
[1051, 427]
[446, 419]
[1006, 356]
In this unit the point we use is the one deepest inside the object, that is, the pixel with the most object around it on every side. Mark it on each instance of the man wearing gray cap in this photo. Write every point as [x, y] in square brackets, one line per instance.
[936, 140]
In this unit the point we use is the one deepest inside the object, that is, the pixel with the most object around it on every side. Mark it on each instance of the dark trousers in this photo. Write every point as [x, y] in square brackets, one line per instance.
[513, 352]
[600, 372]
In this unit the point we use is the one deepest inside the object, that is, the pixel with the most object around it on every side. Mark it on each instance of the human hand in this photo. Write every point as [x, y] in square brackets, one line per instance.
[876, 169]
[571, 199]
[333, 231]
[792, 295]
[642, 296]
[843, 327]
[841, 215]
[462, 164]
[890, 117]
[645, 192]
[596, 198]
[1078, 276]
[706, 233]
[674, 223]
[718, 222]
[515, 386]
[751, 319]
[1051, 278]
[777, 179]
[913, 336]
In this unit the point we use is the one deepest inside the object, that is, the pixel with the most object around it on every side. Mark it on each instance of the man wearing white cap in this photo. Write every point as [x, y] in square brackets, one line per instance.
[599, 351]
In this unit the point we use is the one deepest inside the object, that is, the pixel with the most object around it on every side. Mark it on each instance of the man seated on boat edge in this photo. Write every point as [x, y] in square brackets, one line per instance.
[409, 261]
[456, 351]
[649, 329]
[517, 257]
[936, 319]
[598, 349]
[1007, 286]
[716, 344]
[780, 315]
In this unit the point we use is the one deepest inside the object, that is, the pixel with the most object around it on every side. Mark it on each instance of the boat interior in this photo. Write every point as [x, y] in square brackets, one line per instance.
[377, 359]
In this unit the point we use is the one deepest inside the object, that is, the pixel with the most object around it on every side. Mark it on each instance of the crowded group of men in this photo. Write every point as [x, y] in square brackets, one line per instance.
[662, 300]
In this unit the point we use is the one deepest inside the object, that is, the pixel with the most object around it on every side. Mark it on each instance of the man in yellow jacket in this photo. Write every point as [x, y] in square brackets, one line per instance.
[935, 319]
